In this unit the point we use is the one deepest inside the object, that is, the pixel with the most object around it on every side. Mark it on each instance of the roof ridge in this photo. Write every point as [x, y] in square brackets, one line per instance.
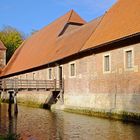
[116, 24]
[13, 57]
[75, 17]
[117, 1]
[97, 26]
[77, 29]
[66, 14]
[71, 12]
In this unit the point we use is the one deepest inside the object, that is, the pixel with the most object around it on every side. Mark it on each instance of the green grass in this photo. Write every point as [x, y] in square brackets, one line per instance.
[10, 137]
[4, 101]
[33, 104]
[28, 104]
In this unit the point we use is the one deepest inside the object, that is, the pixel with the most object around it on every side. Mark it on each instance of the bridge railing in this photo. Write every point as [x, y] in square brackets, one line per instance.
[21, 84]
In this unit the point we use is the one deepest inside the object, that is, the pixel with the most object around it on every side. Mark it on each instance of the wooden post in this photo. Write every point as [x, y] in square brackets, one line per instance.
[13, 94]
[46, 84]
[15, 103]
[36, 85]
[10, 102]
[54, 84]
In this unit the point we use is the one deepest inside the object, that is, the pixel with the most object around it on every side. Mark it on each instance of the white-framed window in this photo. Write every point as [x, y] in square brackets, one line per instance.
[107, 63]
[72, 69]
[129, 59]
[50, 73]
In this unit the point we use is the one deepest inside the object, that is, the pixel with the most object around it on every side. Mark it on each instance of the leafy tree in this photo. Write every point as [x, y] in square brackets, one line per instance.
[12, 39]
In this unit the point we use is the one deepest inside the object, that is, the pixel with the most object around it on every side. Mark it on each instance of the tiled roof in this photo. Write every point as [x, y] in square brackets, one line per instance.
[75, 18]
[73, 41]
[122, 20]
[46, 46]
[35, 51]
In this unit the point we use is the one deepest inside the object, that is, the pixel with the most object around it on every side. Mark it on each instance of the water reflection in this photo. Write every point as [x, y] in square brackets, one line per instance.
[8, 122]
[39, 124]
[12, 123]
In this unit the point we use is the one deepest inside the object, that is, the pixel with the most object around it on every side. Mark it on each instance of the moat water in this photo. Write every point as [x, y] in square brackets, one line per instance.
[40, 124]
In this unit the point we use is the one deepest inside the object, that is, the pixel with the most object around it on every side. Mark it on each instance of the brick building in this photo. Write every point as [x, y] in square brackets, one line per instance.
[2, 55]
[99, 60]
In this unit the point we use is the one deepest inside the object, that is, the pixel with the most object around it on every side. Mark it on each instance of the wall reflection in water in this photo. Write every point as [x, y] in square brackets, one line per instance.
[39, 124]
[8, 121]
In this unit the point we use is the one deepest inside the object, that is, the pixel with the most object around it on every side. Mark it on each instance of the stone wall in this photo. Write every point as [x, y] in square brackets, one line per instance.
[2, 58]
[105, 102]
[118, 90]
[92, 88]
[90, 78]
[31, 98]
[34, 97]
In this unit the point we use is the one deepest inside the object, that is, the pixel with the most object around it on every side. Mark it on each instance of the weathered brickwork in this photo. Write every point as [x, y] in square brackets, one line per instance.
[2, 58]
[91, 79]
[106, 101]
[91, 87]
[29, 97]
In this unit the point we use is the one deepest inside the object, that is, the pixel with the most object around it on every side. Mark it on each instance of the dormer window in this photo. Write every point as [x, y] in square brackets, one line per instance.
[69, 27]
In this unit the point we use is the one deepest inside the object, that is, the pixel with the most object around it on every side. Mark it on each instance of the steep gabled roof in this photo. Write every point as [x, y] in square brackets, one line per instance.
[2, 47]
[36, 49]
[73, 22]
[75, 18]
[122, 20]
[72, 42]
[46, 46]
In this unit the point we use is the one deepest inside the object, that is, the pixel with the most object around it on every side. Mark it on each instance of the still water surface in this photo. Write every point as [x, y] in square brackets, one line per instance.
[40, 124]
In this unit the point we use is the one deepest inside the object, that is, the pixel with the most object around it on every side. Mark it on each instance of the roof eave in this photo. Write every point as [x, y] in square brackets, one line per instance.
[95, 47]
[111, 42]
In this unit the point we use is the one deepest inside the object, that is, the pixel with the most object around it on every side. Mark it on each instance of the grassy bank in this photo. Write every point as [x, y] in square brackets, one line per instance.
[29, 104]
[34, 104]
[10, 137]
[111, 114]
[121, 115]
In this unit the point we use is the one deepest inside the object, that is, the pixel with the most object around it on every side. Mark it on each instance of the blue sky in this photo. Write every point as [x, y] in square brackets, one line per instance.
[28, 15]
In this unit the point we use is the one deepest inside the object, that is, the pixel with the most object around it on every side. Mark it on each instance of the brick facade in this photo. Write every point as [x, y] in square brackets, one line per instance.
[2, 58]
[91, 87]
[89, 72]
[2, 55]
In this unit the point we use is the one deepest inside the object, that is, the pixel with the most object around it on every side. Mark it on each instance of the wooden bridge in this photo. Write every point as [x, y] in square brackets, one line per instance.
[13, 86]
[22, 84]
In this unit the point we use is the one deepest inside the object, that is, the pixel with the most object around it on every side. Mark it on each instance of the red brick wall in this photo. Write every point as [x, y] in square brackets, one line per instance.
[91, 79]
[2, 58]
